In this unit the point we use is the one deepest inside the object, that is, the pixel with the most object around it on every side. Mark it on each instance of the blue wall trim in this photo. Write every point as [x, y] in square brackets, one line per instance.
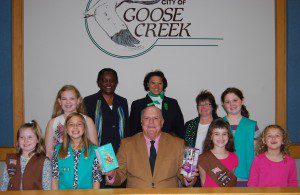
[6, 104]
[293, 70]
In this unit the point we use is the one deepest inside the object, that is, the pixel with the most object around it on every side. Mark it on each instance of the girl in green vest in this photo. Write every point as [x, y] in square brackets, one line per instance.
[243, 129]
[74, 163]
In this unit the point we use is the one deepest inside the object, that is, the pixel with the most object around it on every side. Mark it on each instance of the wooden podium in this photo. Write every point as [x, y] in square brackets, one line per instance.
[203, 191]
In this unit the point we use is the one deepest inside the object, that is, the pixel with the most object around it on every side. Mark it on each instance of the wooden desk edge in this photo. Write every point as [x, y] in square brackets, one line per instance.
[203, 191]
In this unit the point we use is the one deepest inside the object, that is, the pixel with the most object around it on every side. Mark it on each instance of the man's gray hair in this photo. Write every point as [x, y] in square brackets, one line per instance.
[160, 113]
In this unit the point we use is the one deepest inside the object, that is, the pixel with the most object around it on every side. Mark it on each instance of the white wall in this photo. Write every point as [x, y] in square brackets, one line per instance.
[58, 51]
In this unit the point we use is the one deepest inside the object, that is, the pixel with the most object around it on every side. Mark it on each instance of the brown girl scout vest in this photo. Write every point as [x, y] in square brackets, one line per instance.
[32, 176]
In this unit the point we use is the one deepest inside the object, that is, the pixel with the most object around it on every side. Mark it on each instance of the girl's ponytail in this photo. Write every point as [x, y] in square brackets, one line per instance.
[244, 112]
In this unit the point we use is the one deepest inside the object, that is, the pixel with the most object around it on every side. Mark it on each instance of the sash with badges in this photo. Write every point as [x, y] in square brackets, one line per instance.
[216, 170]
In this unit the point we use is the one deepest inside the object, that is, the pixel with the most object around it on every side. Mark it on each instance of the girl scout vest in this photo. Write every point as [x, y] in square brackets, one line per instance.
[32, 176]
[66, 169]
[244, 146]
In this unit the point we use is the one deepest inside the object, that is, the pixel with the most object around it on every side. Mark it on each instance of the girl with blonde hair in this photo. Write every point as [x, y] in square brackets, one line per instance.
[273, 167]
[74, 163]
[28, 168]
[68, 100]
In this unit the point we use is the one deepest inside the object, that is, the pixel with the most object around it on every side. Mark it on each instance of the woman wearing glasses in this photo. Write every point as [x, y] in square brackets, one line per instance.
[196, 129]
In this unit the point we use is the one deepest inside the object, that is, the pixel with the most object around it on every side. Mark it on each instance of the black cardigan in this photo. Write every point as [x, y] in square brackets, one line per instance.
[173, 118]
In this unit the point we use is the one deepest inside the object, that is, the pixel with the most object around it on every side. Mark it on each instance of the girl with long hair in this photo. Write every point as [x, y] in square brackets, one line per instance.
[28, 168]
[74, 163]
[68, 100]
[244, 131]
[218, 161]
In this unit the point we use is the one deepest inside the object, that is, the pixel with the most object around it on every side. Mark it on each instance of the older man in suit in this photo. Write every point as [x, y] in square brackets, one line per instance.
[149, 159]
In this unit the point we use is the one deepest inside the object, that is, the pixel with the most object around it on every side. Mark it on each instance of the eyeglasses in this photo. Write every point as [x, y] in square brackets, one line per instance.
[205, 104]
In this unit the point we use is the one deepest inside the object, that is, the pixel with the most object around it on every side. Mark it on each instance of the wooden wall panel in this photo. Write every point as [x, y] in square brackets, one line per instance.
[280, 87]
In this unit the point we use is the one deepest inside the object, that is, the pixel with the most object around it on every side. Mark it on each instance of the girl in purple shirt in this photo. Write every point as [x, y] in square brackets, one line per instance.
[273, 167]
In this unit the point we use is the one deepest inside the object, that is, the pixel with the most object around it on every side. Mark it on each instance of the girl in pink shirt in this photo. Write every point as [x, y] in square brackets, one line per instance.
[217, 162]
[273, 167]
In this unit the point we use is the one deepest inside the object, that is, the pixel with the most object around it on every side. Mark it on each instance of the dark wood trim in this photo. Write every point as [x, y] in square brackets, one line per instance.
[4, 151]
[18, 64]
[295, 151]
[280, 24]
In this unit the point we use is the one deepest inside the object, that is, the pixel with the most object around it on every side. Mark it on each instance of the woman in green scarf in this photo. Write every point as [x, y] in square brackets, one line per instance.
[155, 84]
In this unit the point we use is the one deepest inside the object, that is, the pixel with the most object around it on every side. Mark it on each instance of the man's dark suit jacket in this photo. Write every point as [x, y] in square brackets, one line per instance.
[173, 118]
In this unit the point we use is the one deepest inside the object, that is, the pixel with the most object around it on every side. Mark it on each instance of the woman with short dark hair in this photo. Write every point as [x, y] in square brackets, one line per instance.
[196, 129]
[155, 83]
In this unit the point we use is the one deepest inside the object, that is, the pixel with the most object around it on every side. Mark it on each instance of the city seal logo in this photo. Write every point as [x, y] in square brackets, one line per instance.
[131, 28]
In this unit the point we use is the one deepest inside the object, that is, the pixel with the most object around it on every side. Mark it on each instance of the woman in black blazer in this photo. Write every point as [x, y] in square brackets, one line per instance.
[155, 84]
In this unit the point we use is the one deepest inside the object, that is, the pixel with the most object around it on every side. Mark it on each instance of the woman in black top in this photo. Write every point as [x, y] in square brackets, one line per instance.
[155, 84]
